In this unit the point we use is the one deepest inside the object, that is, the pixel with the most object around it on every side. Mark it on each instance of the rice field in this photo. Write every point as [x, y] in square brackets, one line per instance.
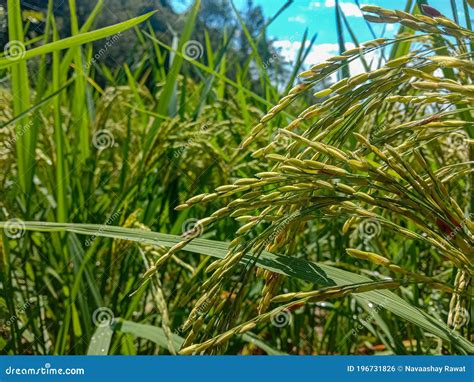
[195, 198]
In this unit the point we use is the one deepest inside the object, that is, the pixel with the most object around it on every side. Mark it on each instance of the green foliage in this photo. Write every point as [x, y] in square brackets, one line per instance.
[178, 203]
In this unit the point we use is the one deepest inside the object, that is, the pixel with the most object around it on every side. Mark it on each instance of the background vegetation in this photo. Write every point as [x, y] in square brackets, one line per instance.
[169, 185]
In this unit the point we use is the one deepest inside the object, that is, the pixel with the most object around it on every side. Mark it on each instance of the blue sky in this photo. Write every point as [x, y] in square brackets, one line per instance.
[318, 16]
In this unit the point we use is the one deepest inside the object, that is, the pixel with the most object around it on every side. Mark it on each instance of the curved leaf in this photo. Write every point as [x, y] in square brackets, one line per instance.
[317, 273]
[79, 39]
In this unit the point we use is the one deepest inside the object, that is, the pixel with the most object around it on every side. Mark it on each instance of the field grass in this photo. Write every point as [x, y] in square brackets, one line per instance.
[165, 206]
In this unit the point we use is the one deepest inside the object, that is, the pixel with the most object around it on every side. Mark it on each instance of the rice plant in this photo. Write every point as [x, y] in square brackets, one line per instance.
[160, 219]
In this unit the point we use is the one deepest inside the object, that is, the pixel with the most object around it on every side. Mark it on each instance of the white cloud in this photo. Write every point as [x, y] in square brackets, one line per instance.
[314, 5]
[321, 52]
[288, 49]
[349, 9]
[297, 19]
